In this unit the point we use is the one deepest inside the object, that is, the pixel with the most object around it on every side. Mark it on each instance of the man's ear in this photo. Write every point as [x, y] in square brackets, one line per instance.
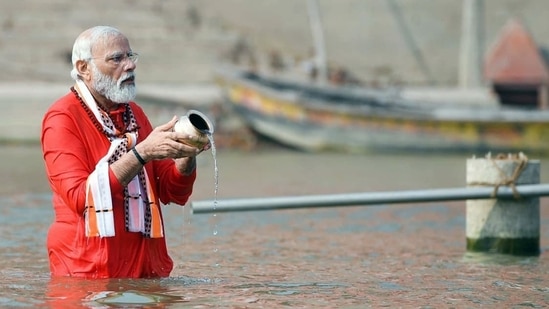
[84, 69]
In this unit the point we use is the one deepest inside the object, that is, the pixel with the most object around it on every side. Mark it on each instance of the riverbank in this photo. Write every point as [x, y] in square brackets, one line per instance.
[183, 41]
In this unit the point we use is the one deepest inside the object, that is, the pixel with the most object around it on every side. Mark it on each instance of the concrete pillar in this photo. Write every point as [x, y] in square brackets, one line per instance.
[509, 226]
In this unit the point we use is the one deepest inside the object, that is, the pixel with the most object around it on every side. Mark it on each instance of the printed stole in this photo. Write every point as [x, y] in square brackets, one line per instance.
[142, 213]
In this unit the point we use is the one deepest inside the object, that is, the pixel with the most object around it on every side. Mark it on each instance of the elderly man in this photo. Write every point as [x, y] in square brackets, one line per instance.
[109, 170]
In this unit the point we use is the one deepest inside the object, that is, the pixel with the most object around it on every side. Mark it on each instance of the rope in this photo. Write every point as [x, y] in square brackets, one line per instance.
[507, 181]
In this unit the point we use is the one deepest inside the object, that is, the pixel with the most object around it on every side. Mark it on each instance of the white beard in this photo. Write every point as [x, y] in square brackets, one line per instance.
[111, 89]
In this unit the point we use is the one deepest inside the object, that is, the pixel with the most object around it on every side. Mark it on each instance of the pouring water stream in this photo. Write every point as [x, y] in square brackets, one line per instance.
[197, 124]
[216, 188]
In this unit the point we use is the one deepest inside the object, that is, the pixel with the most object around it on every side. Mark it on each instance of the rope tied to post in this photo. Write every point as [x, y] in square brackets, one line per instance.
[510, 181]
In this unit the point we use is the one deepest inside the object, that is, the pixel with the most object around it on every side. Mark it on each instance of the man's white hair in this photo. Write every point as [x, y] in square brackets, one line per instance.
[83, 45]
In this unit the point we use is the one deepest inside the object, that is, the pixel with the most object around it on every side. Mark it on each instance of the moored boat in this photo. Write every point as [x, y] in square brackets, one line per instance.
[353, 119]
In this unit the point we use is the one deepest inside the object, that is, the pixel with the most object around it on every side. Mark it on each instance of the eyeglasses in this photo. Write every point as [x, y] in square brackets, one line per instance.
[118, 58]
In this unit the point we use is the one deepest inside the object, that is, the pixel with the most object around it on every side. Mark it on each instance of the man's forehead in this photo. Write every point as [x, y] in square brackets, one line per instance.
[111, 44]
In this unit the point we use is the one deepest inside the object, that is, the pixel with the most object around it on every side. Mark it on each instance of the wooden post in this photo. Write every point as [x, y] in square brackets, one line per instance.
[509, 226]
[317, 31]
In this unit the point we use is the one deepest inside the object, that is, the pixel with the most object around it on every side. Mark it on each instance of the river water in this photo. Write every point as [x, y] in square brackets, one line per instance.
[406, 255]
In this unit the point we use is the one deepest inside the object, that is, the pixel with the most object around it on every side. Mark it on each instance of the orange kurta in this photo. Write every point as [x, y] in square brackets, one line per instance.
[72, 146]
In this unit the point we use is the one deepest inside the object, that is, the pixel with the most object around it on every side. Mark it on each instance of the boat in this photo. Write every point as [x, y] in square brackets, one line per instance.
[316, 118]
[509, 115]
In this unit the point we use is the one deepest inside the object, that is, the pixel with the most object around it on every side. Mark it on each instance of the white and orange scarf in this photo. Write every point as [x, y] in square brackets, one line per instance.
[142, 213]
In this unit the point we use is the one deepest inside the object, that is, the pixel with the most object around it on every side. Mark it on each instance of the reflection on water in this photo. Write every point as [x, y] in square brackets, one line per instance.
[107, 293]
[349, 257]
[497, 259]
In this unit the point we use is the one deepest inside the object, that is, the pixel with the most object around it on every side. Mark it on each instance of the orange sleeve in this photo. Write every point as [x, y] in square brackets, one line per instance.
[72, 146]
[66, 159]
[174, 187]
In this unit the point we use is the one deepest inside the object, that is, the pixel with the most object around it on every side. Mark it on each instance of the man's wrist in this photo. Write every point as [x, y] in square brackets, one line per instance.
[138, 156]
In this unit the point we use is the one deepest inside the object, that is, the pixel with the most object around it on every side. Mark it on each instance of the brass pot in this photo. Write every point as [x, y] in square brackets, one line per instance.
[197, 125]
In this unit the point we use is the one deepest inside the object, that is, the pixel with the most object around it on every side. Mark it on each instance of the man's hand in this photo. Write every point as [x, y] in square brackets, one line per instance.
[163, 143]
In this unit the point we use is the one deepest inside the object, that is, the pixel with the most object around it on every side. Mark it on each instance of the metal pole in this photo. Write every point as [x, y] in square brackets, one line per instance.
[363, 199]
